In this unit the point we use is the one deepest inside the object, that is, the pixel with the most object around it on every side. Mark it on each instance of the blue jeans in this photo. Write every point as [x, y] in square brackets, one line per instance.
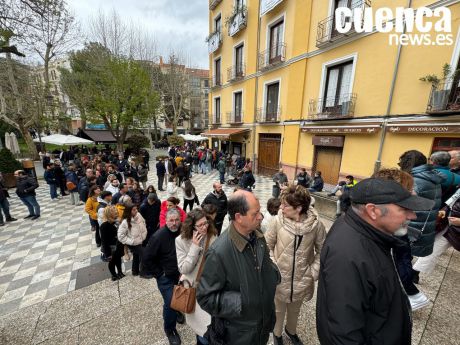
[202, 340]
[53, 191]
[166, 286]
[222, 177]
[5, 206]
[32, 205]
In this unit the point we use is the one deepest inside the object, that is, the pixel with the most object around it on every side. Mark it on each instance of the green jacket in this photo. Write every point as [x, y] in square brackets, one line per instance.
[221, 166]
[238, 286]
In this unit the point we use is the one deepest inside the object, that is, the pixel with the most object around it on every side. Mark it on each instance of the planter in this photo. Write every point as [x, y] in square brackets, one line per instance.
[9, 180]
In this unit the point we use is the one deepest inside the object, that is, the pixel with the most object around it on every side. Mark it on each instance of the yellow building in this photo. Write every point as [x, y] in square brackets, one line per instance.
[290, 89]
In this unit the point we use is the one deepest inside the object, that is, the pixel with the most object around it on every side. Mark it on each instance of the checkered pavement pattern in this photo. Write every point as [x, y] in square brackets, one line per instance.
[39, 258]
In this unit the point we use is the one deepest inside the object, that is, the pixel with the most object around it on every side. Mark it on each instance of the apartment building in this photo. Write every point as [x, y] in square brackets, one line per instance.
[289, 89]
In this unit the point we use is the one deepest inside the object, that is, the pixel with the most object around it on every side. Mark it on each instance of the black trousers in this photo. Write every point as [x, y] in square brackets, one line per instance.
[116, 259]
[188, 203]
[161, 179]
[97, 234]
[137, 255]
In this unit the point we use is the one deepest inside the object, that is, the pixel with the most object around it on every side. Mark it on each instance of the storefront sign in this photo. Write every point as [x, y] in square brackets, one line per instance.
[319, 140]
[425, 128]
[341, 130]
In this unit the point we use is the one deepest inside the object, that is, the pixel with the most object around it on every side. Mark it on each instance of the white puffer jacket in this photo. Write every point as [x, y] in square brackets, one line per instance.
[295, 247]
[134, 236]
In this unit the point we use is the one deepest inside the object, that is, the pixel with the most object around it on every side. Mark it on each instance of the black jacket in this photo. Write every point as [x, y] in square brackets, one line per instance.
[25, 186]
[360, 298]
[151, 214]
[221, 204]
[159, 255]
[108, 237]
[238, 286]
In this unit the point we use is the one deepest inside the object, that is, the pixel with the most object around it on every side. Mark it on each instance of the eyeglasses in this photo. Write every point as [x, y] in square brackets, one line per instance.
[201, 225]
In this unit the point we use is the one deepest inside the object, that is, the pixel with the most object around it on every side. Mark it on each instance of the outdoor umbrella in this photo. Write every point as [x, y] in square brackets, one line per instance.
[60, 139]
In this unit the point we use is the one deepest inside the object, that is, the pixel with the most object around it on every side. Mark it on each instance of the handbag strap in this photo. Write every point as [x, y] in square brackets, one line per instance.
[431, 209]
[200, 270]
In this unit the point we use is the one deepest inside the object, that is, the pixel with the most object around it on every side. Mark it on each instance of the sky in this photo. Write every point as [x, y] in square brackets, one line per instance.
[179, 25]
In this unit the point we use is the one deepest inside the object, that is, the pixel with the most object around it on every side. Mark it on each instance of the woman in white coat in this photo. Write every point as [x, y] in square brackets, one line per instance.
[197, 234]
[295, 238]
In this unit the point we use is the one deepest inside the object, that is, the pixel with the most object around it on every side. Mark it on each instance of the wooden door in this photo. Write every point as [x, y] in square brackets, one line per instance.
[328, 160]
[269, 154]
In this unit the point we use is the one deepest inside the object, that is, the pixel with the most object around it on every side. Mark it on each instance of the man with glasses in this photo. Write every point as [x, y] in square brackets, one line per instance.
[160, 261]
[237, 287]
[25, 189]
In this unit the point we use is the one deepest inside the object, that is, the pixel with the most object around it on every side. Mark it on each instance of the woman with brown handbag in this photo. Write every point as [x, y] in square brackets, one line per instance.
[197, 234]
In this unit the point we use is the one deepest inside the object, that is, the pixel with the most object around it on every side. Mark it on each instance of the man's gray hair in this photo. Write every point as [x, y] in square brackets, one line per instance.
[441, 158]
[172, 212]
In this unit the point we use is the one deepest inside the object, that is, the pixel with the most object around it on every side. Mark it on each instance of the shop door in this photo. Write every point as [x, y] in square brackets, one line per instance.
[269, 154]
[328, 160]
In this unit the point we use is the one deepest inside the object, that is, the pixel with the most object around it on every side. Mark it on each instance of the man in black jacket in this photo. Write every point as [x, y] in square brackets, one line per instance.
[150, 210]
[237, 287]
[4, 204]
[360, 298]
[159, 260]
[25, 189]
[218, 198]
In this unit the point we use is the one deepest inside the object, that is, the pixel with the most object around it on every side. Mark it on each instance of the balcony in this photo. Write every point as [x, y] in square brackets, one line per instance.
[271, 57]
[216, 81]
[332, 107]
[268, 115]
[213, 4]
[215, 120]
[327, 34]
[214, 41]
[237, 21]
[444, 98]
[234, 117]
[236, 72]
[268, 5]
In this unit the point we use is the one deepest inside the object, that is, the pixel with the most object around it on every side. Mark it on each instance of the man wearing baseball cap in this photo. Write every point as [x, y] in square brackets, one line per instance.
[360, 298]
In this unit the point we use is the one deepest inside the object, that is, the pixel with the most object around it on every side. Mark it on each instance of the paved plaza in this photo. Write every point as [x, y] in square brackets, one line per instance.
[41, 260]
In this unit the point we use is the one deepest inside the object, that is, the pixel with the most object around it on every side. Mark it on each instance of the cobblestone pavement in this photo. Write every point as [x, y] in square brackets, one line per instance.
[39, 259]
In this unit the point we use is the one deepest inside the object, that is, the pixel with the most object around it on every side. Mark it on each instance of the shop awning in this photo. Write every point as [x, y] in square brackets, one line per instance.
[224, 133]
[102, 136]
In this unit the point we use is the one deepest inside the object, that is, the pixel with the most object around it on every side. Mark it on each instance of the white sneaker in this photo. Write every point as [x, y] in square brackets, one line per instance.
[418, 301]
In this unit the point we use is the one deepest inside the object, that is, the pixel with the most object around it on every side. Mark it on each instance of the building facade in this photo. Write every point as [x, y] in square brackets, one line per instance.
[288, 89]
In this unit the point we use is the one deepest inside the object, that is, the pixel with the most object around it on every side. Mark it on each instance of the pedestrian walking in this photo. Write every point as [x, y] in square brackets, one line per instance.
[221, 167]
[295, 238]
[4, 204]
[218, 198]
[72, 184]
[197, 234]
[190, 196]
[161, 262]
[238, 283]
[50, 179]
[91, 206]
[161, 171]
[360, 298]
[142, 173]
[111, 248]
[132, 232]
[25, 190]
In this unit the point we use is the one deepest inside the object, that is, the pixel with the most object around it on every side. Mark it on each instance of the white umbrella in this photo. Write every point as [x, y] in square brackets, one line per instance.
[60, 139]
[14, 144]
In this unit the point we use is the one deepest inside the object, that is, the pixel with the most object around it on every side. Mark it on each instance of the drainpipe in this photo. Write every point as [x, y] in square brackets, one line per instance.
[256, 92]
[378, 162]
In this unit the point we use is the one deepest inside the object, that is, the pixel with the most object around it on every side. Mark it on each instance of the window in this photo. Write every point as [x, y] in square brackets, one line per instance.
[272, 102]
[338, 81]
[218, 23]
[217, 110]
[239, 70]
[237, 106]
[276, 42]
[344, 3]
[206, 83]
[217, 69]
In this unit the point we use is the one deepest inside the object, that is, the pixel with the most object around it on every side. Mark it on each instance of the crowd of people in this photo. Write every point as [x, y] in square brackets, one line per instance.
[252, 279]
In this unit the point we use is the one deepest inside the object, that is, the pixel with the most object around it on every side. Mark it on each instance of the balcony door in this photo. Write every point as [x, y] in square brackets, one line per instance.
[239, 61]
[276, 42]
[337, 96]
[344, 3]
[218, 23]
[237, 106]
[272, 102]
[217, 69]
[217, 110]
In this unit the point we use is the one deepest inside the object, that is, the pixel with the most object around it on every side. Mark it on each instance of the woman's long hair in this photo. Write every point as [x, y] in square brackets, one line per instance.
[189, 224]
[127, 214]
[189, 189]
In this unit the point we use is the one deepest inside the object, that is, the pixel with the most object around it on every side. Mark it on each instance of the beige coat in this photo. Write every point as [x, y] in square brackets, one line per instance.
[308, 236]
[134, 236]
[189, 258]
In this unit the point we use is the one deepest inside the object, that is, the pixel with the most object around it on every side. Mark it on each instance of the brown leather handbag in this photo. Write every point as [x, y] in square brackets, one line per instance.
[184, 298]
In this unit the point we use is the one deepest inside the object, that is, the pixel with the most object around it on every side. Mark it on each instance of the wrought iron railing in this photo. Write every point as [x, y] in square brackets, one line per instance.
[237, 21]
[270, 114]
[332, 107]
[216, 119]
[234, 117]
[217, 80]
[327, 33]
[213, 4]
[272, 56]
[444, 97]
[236, 72]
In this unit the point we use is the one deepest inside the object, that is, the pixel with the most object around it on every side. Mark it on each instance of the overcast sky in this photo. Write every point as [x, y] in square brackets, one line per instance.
[177, 24]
